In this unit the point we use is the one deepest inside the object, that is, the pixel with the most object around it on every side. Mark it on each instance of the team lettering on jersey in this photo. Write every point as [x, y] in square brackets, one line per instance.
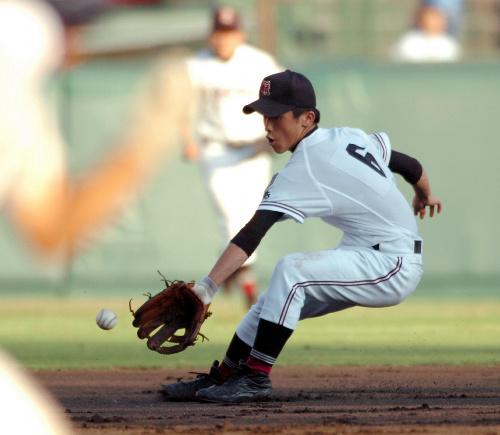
[267, 193]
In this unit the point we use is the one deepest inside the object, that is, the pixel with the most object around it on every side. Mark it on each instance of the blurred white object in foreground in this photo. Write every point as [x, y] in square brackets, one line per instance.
[25, 407]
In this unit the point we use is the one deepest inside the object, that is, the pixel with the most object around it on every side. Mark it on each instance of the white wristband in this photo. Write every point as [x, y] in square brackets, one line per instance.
[210, 285]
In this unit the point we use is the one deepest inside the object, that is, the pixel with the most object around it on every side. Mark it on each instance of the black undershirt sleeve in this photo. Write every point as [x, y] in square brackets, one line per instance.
[408, 167]
[252, 233]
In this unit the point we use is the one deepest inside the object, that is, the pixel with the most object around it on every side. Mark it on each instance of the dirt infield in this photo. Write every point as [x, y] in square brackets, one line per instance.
[341, 400]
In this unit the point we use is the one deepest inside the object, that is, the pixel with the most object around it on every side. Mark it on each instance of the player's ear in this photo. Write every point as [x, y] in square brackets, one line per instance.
[308, 118]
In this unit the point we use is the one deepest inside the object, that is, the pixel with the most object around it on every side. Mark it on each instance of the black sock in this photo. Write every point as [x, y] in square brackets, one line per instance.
[269, 342]
[237, 350]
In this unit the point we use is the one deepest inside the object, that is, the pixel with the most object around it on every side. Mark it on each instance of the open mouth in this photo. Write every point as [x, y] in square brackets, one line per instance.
[270, 140]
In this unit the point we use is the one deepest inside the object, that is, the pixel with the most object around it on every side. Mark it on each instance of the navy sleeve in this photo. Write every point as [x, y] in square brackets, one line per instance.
[252, 233]
[408, 167]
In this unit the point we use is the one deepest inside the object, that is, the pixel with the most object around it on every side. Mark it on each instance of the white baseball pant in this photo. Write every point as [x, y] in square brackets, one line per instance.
[236, 190]
[311, 284]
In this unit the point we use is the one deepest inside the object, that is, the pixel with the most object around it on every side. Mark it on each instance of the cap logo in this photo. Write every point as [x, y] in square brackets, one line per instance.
[265, 88]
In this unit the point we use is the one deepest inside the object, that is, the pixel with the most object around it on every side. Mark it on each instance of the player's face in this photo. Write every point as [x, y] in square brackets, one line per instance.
[285, 131]
[225, 42]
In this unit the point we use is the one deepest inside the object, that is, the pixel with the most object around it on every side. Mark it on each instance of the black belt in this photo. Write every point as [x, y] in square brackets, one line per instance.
[417, 247]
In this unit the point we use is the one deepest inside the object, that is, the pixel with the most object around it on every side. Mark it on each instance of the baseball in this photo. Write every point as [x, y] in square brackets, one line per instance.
[106, 319]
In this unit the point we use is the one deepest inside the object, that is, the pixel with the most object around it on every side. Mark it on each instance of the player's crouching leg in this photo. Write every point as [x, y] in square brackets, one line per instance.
[237, 352]
[285, 298]
[251, 380]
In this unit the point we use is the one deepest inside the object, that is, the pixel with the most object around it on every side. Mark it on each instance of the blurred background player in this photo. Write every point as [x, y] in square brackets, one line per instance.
[429, 40]
[52, 210]
[231, 148]
[454, 12]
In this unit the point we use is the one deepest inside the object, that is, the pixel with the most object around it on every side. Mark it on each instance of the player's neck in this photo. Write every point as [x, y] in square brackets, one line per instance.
[307, 132]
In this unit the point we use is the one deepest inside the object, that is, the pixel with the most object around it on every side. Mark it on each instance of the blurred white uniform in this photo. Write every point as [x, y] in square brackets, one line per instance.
[31, 149]
[25, 407]
[417, 46]
[235, 175]
[31, 153]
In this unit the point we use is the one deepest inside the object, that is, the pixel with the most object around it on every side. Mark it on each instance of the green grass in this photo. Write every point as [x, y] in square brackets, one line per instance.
[53, 333]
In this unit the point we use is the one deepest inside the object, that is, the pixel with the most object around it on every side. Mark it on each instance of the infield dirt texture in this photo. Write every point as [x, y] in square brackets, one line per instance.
[341, 400]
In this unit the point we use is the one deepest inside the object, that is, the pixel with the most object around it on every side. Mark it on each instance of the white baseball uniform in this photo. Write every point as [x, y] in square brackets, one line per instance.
[234, 174]
[417, 46]
[31, 156]
[340, 175]
[31, 148]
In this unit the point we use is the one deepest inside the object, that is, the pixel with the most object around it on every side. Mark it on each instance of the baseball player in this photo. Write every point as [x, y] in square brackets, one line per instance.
[53, 211]
[231, 147]
[429, 41]
[344, 176]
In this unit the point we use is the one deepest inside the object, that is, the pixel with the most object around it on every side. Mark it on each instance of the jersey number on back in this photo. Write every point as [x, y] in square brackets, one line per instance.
[367, 158]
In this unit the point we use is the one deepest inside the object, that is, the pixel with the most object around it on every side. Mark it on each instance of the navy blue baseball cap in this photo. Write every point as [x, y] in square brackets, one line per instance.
[281, 92]
[226, 18]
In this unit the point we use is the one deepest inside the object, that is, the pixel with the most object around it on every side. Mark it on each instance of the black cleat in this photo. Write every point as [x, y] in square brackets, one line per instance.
[186, 390]
[244, 386]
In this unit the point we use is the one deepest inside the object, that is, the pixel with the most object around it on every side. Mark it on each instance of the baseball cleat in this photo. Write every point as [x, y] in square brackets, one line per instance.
[244, 386]
[186, 390]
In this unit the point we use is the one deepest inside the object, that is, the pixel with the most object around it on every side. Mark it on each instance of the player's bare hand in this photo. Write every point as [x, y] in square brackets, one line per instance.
[191, 151]
[420, 205]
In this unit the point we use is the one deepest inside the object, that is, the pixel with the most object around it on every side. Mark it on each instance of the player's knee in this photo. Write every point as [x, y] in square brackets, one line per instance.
[285, 275]
[288, 265]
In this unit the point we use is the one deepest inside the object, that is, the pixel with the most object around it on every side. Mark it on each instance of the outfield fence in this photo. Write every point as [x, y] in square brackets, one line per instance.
[445, 115]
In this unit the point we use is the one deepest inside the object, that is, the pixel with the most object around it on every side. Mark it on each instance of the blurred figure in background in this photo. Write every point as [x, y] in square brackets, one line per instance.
[52, 210]
[231, 148]
[454, 12]
[429, 40]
